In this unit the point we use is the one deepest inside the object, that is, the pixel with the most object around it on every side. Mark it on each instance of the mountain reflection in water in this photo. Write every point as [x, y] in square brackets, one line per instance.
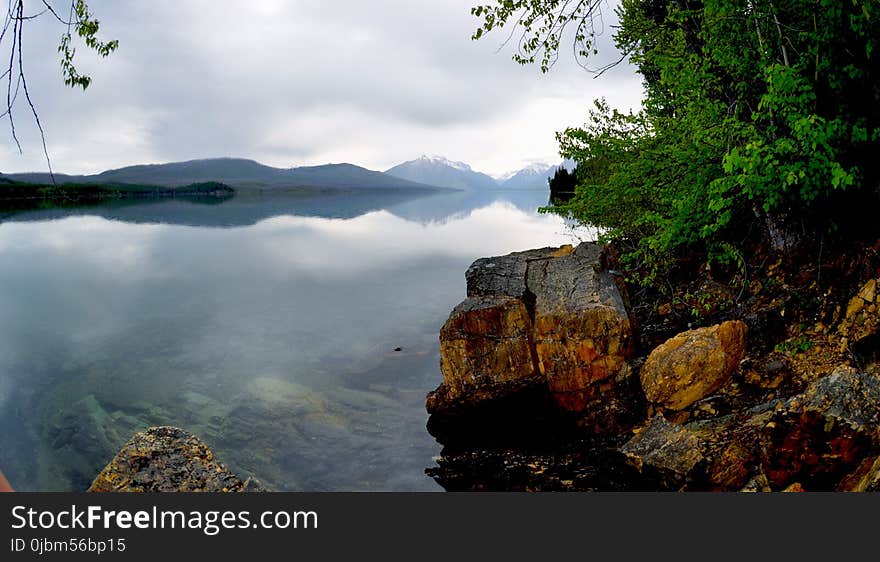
[266, 325]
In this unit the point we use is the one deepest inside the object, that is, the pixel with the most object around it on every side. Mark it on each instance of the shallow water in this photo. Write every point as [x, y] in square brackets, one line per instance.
[267, 326]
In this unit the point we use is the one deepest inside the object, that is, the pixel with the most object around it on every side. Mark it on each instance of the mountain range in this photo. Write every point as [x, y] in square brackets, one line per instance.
[238, 173]
[436, 170]
[425, 173]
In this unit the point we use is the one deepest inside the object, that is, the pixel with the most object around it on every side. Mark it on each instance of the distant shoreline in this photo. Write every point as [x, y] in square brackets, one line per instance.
[22, 192]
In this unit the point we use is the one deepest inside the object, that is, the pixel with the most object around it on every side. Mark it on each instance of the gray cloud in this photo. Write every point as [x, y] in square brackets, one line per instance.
[301, 82]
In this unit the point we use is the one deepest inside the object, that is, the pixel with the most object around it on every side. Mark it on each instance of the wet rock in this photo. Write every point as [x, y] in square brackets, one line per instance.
[583, 333]
[168, 459]
[550, 317]
[823, 434]
[665, 451]
[694, 364]
[572, 466]
[485, 351]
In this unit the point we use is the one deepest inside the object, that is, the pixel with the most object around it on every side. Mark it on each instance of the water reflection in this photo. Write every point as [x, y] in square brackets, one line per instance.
[274, 342]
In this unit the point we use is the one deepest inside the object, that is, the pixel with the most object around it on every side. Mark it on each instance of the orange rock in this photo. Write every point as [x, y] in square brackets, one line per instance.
[693, 365]
[549, 315]
[486, 341]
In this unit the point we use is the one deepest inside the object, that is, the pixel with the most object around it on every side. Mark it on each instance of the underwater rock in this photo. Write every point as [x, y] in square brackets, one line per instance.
[86, 434]
[168, 459]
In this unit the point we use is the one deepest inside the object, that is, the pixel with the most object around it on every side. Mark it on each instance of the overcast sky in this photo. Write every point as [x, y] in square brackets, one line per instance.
[300, 82]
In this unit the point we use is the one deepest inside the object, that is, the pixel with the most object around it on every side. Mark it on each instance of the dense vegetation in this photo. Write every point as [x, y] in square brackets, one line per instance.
[759, 122]
[11, 190]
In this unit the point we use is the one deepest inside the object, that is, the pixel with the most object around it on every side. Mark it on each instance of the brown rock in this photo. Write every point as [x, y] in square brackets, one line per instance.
[552, 316]
[825, 433]
[866, 478]
[583, 334]
[693, 365]
[485, 350]
[668, 451]
[168, 459]
[862, 321]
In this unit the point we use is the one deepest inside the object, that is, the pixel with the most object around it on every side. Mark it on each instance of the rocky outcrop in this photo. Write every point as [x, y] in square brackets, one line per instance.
[486, 348]
[168, 459]
[824, 433]
[668, 450]
[866, 478]
[860, 328]
[766, 398]
[552, 318]
[583, 332]
[693, 365]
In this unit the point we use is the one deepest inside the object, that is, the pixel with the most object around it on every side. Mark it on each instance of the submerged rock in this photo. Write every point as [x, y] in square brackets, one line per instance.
[693, 365]
[86, 433]
[550, 317]
[168, 459]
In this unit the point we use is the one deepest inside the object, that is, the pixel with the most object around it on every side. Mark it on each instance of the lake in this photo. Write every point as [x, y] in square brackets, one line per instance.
[296, 335]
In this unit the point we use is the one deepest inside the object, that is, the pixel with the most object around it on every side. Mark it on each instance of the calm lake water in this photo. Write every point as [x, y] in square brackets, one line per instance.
[265, 325]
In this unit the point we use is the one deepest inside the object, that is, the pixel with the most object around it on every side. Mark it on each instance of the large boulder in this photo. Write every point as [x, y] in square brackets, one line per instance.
[486, 349]
[168, 459]
[693, 365]
[583, 333]
[551, 317]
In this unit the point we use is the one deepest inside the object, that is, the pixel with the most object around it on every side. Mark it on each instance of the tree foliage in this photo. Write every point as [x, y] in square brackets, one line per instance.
[78, 21]
[757, 114]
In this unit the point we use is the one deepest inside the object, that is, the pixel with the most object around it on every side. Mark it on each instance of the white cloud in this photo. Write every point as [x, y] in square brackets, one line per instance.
[305, 82]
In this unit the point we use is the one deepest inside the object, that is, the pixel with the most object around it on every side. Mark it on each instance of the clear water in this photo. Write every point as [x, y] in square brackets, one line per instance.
[267, 326]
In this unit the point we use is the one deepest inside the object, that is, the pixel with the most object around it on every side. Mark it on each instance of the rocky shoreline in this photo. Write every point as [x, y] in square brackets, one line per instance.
[550, 383]
[168, 459]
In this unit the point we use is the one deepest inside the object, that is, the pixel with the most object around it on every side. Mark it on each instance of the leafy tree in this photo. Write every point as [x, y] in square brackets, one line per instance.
[79, 21]
[758, 115]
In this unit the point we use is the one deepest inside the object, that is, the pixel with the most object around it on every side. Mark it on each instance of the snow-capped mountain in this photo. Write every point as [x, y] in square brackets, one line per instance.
[441, 172]
[534, 176]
